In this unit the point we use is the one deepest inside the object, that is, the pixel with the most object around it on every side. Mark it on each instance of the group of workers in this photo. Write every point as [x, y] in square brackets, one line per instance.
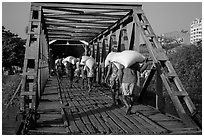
[78, 70]
[117, 77]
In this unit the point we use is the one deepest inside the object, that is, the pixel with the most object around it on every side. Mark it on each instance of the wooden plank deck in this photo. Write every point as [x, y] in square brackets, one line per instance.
[74, 111]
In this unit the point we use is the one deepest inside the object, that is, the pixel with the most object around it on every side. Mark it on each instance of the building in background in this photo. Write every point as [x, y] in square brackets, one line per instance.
[196, 31]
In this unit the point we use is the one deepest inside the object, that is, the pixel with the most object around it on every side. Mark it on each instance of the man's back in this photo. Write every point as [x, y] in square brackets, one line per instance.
[70, 66]
[129, 74]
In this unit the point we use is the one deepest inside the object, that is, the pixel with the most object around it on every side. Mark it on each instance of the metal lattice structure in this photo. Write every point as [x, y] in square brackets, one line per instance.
[106, 27]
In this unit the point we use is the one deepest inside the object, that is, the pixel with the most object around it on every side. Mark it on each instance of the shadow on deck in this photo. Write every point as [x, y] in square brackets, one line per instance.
[75, 111]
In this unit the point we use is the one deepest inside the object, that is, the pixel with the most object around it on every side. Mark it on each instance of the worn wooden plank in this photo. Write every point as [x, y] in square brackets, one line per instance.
[85, 119]
[72, 125]
[121, 119]
[92, 116]
[50, 121]
[85, 114]
[76, 116]
[141, 123]
[94, 111]
[156, 125]
[96, 106]
[98, 115]
[109, 122]
[138, 124]
[129, 121]
[115, 129]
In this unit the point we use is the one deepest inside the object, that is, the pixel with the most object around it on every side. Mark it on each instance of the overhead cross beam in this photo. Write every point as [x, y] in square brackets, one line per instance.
[112, 6]
[83, 18]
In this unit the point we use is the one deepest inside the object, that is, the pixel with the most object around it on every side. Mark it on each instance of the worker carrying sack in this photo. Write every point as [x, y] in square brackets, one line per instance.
[128, 58]
[90, 63]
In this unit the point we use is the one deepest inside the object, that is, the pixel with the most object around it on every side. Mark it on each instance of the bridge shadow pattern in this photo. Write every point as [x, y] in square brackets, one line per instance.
[93, 114]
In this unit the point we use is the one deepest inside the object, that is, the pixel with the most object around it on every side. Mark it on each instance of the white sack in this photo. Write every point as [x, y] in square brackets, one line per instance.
[83, 59]
[70, 59]
[128, 57]
[90, 63]
[109, 58]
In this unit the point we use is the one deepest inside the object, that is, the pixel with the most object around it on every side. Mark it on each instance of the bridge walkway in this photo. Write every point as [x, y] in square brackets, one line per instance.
[65, 110]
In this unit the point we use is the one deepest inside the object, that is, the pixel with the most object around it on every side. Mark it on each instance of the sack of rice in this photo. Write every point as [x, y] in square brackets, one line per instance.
[91, 63]
[83, 59]
[109, 58]
[128, 57]
[70, 59]
[65, 60]
[73, 60]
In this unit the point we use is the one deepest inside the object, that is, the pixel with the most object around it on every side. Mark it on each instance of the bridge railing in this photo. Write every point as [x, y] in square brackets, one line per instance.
[36, 61]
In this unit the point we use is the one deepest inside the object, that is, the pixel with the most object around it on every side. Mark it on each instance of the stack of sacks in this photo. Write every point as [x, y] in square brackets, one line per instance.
[90, 63]
[126, 58]
[70, 59]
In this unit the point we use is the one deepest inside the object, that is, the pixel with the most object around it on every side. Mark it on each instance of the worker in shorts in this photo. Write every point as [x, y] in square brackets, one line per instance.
[90, 76]
[59, 66]
[129, 79]
[114, 75]
[70, 72]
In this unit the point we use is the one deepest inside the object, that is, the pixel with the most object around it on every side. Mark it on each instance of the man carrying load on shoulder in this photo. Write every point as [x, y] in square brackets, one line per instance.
[90, 76]
[59, 67]
[129, 79]
[115, 77]
[70, 72]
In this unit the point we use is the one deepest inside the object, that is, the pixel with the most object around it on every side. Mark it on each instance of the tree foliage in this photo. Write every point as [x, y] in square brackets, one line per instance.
[12, 49]
[187, 60]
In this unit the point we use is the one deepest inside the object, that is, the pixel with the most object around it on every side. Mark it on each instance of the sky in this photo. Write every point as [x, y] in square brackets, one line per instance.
[163, 16]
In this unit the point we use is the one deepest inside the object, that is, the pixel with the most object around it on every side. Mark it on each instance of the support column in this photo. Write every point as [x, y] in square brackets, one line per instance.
[29, 89]
[103, 57]
[137, 46]
[160, 103]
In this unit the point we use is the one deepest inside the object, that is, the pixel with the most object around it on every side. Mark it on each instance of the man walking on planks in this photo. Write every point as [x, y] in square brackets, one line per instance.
[129, 79]
[70, 72]
[115, 79]
[59, 67]
[90, 76]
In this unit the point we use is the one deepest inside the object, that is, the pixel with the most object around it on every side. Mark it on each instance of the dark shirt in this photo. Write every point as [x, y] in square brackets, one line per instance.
[130, 73]
[70, 67]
